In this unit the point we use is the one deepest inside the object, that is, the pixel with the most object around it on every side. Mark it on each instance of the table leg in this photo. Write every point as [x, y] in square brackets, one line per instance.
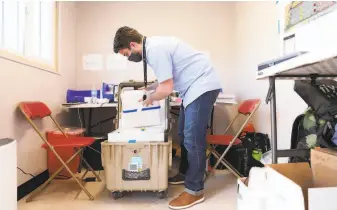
[82, 117]
[273, 119]
[89, 122]
[211, 123]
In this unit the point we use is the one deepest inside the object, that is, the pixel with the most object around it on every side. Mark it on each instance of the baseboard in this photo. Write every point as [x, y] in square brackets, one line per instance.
[32, 184]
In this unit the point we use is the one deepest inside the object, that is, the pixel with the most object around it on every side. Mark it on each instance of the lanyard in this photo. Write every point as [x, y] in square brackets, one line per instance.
[144, 62]
[144, 66]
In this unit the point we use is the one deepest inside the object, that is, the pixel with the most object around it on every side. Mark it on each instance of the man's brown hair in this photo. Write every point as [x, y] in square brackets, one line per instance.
[124, 36]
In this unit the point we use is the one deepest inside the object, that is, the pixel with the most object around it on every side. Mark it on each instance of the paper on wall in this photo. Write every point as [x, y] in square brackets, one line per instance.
[289, 46]
[92, 62]
[115, 62]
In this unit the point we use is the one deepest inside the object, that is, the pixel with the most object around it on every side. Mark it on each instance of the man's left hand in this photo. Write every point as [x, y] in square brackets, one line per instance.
[148, 101]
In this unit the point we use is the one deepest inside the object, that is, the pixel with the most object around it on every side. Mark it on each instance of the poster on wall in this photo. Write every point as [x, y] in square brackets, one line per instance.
[310, 24]
[299, 13]
[92, 62]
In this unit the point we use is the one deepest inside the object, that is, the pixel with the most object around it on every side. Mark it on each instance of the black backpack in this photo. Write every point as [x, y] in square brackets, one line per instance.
[241, 156]
[321, 97]
[256, 141]
[306, 133]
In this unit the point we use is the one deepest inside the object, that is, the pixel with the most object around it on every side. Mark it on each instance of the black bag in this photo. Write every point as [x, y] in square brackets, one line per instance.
[308, 132]
[256, 141]
[321, 97]
[93, 155]
[241, 156]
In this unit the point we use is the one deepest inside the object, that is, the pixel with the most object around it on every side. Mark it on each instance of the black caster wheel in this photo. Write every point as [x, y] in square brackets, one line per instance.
[162, 194]
[116, 195]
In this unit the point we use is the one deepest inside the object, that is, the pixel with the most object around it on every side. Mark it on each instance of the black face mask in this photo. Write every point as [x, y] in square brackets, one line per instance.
[135, 57]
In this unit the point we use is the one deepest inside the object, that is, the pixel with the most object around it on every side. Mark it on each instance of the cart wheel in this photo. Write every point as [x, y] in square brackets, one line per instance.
[162, 194]
[116, 195]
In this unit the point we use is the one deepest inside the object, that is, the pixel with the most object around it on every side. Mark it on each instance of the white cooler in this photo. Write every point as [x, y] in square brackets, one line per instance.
[137, 155]
[134, 135]
[140, 124]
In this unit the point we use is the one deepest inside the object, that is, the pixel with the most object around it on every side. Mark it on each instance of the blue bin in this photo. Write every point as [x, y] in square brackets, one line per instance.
[77, 96]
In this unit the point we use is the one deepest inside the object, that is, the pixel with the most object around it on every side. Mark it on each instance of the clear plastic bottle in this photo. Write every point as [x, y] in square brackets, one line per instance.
[93, 96]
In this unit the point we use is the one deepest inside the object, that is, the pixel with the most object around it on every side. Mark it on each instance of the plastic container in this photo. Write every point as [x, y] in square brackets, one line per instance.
[53, 163]
[94, 96]
[134, 113]
[266, 158]
[136, 167]
[78, 96]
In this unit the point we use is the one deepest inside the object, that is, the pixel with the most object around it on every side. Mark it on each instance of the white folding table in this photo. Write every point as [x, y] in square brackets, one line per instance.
[311, 65]
[173, 105]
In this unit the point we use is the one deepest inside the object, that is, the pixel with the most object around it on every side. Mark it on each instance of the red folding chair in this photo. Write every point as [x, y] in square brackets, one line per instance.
[38, 110]
[247, 109]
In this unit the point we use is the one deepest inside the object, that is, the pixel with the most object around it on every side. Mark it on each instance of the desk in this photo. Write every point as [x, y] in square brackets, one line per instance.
[174, 106]
[317, 65]
[89, 106]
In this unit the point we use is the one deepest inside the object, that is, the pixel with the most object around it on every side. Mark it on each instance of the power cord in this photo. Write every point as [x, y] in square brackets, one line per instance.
[104, 103]
[25, 172]
[79, 117]
[58, 176]
[95, 150]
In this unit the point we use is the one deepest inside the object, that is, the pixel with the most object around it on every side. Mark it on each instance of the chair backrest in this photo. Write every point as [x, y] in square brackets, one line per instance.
[38, 110]
[35, 110]
[247, 107]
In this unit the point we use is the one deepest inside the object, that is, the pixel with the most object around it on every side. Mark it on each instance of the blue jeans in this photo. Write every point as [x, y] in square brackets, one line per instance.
[193, 121]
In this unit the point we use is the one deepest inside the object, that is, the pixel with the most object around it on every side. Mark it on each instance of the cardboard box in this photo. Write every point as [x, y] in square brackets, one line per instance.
[296, 186]
[248, 198]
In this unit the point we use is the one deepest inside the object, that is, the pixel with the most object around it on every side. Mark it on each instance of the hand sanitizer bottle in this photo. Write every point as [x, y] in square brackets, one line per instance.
[93, 96]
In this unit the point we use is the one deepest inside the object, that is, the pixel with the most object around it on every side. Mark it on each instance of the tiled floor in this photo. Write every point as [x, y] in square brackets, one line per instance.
[220, 193]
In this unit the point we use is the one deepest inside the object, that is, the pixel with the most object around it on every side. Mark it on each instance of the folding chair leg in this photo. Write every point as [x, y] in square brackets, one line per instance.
[227, 164]
[41, 187]
[208, 155]
[224, 162]
[90, 168]
[85, 173]
[34, 193]
[78, 181]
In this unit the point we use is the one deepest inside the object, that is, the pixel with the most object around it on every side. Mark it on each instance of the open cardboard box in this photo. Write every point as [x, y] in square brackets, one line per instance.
[249, 198]
[296, 186]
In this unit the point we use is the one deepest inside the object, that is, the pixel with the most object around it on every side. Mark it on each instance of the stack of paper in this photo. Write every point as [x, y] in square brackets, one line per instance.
[226, 99]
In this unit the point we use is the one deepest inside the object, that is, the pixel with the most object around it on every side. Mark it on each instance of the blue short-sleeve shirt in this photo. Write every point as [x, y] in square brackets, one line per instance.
[191, 71]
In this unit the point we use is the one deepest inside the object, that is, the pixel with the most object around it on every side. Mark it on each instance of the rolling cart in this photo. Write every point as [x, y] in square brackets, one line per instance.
[132, 164]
